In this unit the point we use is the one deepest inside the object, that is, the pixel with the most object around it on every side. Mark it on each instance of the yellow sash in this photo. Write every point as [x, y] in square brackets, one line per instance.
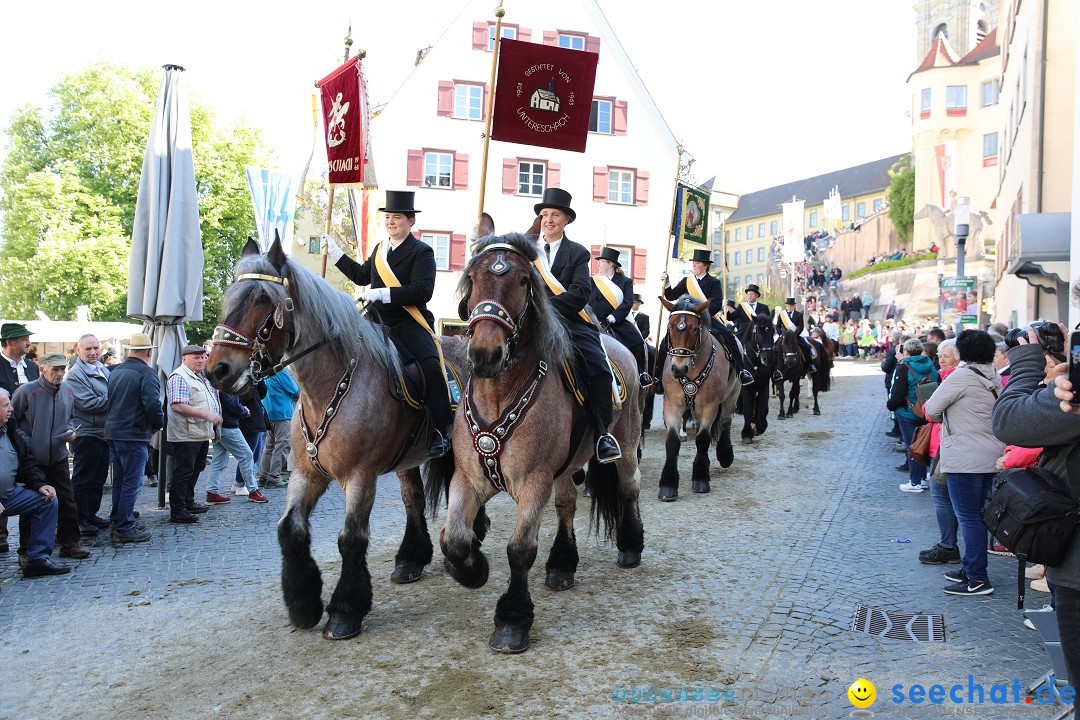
[747, 310]
[386, 274]
[694, 289]
[556, 287]
[611, 292]
[786, 319]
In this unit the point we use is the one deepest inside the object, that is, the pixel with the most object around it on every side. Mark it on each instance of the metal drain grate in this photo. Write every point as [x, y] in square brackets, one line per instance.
[925, 627]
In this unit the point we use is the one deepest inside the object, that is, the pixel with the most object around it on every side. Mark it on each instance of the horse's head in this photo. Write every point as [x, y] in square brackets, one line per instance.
[759, 340]
[500, 292]
[792, 353]
[686, 331]
[257, 324]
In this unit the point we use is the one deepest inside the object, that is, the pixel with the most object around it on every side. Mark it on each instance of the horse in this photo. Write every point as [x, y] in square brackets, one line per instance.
[791, 366]
[941, 222]
[526, 435]
[348, 426]
[710, 394]
[821, 378]
[758, 341]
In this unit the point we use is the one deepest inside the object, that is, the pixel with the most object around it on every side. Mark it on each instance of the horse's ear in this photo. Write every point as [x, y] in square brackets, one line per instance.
[275, 253]
[486, 226]
[534, 229]
[703, 306]
[250, 248]
[668, 305]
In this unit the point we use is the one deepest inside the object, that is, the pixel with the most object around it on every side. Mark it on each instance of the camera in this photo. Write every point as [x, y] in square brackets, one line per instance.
[1049, 334]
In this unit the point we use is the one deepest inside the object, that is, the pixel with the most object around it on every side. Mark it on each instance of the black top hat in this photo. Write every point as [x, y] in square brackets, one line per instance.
[400, 201]
[559, 199]
[11, 331]
[637, 298]
[754, 288]
[702, 256]
[789, 301]
[611, 255]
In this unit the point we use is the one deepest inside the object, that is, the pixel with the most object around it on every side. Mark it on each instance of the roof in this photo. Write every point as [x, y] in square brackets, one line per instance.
[987, 48]
[941, 55]
[851, 182]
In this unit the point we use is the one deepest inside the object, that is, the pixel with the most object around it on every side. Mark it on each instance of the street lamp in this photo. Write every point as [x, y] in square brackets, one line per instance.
[940, 277]
[961, 226]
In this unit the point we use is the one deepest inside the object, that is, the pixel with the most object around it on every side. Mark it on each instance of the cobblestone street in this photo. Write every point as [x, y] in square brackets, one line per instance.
[749, 589]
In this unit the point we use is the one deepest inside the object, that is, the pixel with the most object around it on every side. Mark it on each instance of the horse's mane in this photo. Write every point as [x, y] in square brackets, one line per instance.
[689, 303]
[549, 329]
[320, 311]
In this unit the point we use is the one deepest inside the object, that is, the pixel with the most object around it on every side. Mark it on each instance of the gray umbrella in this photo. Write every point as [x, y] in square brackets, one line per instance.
[165, 273]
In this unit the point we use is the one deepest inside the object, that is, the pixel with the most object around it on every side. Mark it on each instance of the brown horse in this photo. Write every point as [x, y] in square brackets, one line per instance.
[348, 427]
[522, 432]
[700, 379]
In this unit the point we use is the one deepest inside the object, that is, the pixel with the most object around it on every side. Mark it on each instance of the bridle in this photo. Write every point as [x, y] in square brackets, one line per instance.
[493, 310]
[755, 350]
[680, 326]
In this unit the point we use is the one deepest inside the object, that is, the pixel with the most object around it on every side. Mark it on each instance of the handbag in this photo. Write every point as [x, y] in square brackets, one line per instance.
[920, 444]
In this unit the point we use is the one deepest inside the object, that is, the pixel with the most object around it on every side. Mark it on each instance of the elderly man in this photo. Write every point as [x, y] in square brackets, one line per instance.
[14, 371]
[43, 411]
[194, 410]
[88, 381]
[133, 415]
[24, 492]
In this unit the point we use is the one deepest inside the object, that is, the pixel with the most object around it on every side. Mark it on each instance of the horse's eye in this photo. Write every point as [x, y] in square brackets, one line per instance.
[262, 299]
[524, 281]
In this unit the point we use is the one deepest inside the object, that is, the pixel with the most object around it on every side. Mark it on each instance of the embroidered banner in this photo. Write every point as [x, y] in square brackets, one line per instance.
[344, 112]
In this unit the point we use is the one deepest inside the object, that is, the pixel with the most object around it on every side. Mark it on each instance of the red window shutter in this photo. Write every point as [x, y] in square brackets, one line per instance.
[641, 188]
[640, 254]
[461, 171]
[599, 184]
[484, 107]
[554, 175]
[551, 37]
[414, 168]
[509, 180]
[524, 34]
[618, 117]
[479, 35]
[446, 98]
[457, 252]
[592, 44]
[593, 267]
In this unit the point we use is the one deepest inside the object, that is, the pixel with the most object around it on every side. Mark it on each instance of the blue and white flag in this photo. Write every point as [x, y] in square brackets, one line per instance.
[273, 195]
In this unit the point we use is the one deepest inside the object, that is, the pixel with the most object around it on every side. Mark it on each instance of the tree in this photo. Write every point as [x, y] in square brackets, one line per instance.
[901, 197]
[68, 188]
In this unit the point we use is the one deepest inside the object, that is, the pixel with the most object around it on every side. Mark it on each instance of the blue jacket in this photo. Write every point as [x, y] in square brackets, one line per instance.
[231, 410]
[135, 402]
[910, 372]
[281, 395]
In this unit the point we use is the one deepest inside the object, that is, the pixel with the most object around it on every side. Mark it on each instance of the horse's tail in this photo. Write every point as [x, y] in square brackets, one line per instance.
[607, 504]
[437, 475]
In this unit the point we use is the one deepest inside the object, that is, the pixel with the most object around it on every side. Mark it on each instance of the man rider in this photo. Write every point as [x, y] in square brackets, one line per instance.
[791, 319]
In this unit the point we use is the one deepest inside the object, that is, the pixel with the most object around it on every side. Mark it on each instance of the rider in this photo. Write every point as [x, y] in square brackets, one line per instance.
[612, 295]
[564, 266]
[704, 286]
[791, 319]
[400, 275]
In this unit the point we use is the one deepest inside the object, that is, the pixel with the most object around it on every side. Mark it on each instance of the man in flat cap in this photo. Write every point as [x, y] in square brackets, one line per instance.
[14, 371]
[194, 412]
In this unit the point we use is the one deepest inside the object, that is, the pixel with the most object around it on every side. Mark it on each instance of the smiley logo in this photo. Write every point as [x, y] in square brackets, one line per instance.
[862, 693]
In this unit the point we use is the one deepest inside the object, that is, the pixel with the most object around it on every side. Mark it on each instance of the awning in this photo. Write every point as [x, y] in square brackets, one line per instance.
[1042, 242]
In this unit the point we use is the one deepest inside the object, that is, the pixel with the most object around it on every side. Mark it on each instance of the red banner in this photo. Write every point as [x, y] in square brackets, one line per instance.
[543, 95]
[343, 110]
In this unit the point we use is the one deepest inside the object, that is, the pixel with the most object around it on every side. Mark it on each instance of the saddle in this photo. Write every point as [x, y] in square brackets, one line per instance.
[409, 386]
[578, 386]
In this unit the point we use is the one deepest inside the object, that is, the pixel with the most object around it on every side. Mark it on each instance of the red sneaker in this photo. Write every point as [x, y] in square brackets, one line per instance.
[257, 496]
[215, 499]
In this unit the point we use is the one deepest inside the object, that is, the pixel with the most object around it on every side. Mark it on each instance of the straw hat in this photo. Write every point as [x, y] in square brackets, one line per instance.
[140, 341]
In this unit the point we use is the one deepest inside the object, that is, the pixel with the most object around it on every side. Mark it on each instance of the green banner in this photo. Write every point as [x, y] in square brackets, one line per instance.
[691, 221]
[960, 300]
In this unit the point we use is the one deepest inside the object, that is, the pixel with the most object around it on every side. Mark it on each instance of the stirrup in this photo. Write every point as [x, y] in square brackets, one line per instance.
[777, 376]
[611, 453]
[812, 368]
[746, 378]
[439, 445]
[646, 379]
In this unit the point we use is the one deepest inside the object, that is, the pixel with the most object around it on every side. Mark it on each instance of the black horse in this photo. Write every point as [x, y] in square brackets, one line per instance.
[822, 379]
[758, 341]
[792, 367]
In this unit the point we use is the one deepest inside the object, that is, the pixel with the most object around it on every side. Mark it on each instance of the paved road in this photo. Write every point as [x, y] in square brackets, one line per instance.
[748, 592]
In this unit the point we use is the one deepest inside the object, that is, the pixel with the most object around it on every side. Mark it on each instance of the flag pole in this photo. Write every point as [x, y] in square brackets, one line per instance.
[330, 205]
[667, 257]
[499, 13]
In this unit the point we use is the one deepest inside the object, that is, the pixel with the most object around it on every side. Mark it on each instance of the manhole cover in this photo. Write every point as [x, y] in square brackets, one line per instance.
[924, 627]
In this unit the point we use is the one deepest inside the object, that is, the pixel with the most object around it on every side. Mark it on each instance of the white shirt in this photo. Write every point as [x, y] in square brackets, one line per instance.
[541, 242]
[19, 368]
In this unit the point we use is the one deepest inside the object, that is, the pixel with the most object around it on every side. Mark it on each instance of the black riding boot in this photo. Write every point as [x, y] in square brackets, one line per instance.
[438, 402]
[642, 365]
[661, 363]
[607, 448]
[737, 356]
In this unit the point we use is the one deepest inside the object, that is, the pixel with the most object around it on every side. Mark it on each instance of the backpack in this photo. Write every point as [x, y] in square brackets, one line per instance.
[920, 393]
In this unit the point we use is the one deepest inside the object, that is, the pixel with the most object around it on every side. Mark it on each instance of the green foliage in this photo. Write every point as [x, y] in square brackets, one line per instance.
[890, 265]
[68, 188]
[901, 197]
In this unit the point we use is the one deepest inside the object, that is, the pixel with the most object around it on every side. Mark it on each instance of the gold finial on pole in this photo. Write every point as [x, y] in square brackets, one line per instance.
[499, 14]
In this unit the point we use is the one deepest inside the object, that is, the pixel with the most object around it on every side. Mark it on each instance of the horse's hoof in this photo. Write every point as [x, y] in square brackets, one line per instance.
[747, 441]
[471, 577]
[509, 640]
[700, 486]
[559, 580]
[816, 411]
[628, 559]
[339, 627]
[781, 416]
[668, 493]
[306, 618]
[406, 572]
[586, 491]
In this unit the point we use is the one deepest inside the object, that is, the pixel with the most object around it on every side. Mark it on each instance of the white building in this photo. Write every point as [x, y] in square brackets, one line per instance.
[429, 138]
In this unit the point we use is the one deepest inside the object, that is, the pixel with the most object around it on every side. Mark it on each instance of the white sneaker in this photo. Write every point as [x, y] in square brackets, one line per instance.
[908, 487]
[240, 490]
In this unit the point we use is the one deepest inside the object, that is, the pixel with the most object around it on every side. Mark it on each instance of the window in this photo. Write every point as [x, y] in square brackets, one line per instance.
[571, 42]
[738, 258]
[440, 243]
[621, 187]
[773, 225]
[878, 202]
[813, 218]
[860, 210]
[468, 101]
[924, 108]
[761, 254]
[761, 278]
[990, 149]
[956, 99]
[438, 170]
[749, 232]
[990, 92]
[749, 279]
[313, 245]
[845, 212]
[531, 178]
[507, 32]
[749, 256]
[761, 229]
[600, 117]
[738, 234]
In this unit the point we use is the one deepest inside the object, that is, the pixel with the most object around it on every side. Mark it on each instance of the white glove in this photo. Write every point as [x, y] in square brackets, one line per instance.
[610, 319]
[332, 250]
[377, 295]
[664, 279]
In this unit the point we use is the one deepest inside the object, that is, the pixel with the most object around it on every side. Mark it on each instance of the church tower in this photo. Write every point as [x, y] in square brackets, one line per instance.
[964, 22]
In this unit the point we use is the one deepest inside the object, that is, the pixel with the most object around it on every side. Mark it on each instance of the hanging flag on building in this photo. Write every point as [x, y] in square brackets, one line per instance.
[345, 124]
[543, 95]
[691, 219]
[273, 197]
[794, 250]
[945, 155]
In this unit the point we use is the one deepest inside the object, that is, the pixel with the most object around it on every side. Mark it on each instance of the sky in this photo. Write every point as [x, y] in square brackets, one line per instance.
[760, 92]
